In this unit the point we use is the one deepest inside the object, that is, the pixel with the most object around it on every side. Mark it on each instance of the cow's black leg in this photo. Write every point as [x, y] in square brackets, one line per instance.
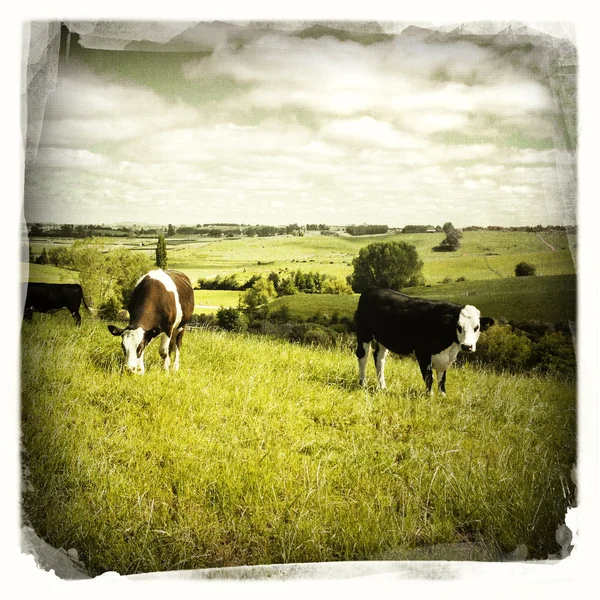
[426, 370]
[77, 318]
[442, 382]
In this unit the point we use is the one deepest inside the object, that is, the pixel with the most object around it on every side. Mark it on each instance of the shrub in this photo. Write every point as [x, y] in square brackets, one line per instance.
[312, 334]
[524, 269]
[110, 309]
[504, 348]
[232, 319]
[555, 353]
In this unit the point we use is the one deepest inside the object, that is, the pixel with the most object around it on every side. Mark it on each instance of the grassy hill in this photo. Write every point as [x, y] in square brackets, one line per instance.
[552, 299]
[259, 451]
[483, 255]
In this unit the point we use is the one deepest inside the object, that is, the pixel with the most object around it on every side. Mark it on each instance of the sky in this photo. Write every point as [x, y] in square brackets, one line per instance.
[258, 125]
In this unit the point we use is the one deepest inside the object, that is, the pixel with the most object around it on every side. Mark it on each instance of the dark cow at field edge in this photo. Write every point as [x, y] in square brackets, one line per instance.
[162, 303]
[48, 297]
[433, 330]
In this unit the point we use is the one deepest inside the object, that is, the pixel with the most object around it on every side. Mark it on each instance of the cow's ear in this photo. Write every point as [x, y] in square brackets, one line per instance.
[448, 319]
[485, 323]
[115, 330]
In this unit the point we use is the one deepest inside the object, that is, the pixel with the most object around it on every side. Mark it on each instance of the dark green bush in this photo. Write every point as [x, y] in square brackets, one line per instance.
[524, 269]
[555, 353]
[504, 348]
[231, 319]
[110, 309]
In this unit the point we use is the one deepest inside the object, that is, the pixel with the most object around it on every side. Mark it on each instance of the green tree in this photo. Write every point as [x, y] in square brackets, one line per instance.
[42, 259]
[161, 252]
[451, 242]
[258, 295]
[171, 230]
[393, 265]
[91, 262]
[107, 278]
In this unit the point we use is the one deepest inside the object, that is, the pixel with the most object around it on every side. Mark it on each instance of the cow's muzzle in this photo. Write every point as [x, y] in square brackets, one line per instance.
[467, 348]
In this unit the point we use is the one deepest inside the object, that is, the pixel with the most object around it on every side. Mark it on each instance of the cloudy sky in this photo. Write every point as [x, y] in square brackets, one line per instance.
[256, 124]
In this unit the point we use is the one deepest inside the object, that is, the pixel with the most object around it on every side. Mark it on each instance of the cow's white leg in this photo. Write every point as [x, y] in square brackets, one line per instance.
[441, 376]
[362, 354]
[176, 348]
[163, 350]
[380, 356]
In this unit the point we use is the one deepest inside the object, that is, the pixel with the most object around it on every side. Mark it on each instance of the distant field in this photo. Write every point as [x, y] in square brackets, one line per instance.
[48, 274]
[483, 254]
[550, 299]
[208, 301]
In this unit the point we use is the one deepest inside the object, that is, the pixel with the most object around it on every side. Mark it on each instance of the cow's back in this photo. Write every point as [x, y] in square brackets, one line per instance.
[185, 292]
[403, 323]
[153, 303]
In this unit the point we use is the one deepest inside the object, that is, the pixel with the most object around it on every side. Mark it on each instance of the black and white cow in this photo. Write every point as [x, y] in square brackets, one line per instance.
[433, 330]
[48, 297]
[162, 303]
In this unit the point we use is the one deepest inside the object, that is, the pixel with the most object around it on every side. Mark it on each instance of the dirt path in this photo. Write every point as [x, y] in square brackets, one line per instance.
[545, 242]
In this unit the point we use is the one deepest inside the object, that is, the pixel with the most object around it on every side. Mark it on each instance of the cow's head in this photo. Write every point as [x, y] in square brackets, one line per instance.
[133, 343]
[468, 327]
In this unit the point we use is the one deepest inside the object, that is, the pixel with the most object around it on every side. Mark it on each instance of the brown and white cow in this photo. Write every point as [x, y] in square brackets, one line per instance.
[162, 304]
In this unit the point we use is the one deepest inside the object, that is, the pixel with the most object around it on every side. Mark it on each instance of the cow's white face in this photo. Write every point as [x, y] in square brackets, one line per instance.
[133, 344]
[468, 328]
[470, 324]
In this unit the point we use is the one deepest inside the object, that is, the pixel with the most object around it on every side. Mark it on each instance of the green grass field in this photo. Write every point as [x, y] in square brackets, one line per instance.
[259, 451]
[482, 256]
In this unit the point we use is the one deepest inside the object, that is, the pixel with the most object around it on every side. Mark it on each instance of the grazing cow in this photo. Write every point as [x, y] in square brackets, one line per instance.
[435, 331]
[161, 304]
[47, 297]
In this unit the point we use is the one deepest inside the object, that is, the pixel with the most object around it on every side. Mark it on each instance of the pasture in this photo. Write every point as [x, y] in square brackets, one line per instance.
[484, 255]
[259, 451]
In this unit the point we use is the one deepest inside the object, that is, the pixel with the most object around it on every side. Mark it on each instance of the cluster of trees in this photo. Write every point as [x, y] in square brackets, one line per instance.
[420, 228]
[107, 278]
[315, 227]
[284, 283]
[366, 229]
[451, 242]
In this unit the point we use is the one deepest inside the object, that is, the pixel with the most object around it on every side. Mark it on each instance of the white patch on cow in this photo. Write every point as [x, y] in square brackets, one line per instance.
[362, 364]
[468, 328]
[163, 350]
[176, 361]
[170, 286]
[131, 339]
[441, 361]
[380, 365]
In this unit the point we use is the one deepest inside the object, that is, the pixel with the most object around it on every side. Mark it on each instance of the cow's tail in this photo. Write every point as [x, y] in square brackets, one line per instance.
[91, 311]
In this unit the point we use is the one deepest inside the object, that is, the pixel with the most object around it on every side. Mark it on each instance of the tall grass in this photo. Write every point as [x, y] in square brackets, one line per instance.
[259, 451]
